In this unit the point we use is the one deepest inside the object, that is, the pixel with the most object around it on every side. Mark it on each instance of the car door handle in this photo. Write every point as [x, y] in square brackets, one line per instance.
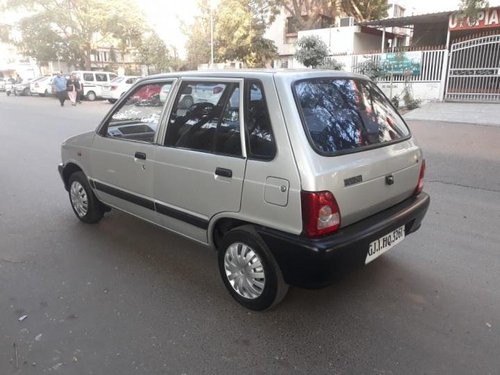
[140, 155]
[223, 172]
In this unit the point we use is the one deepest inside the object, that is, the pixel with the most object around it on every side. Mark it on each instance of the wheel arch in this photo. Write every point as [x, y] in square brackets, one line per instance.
[68, 169]
[221, 225]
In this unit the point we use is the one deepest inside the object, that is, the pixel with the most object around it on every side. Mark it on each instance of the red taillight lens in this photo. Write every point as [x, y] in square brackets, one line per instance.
[114, 87]
[320, 213]
[420, 185]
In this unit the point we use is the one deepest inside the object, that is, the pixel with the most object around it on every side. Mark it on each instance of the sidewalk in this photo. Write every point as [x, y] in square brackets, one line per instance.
[468, 113]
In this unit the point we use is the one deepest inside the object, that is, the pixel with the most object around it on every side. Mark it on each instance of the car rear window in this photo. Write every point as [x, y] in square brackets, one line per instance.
[346, 115]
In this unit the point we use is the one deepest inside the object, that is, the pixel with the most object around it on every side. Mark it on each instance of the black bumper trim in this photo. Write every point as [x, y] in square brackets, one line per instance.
[317, 262]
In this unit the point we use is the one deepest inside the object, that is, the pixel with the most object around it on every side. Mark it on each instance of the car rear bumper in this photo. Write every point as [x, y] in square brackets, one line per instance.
[314, 263]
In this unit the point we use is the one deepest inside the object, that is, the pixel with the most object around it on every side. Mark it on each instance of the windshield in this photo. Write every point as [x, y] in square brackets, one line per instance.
[344, 115]
[117, 79]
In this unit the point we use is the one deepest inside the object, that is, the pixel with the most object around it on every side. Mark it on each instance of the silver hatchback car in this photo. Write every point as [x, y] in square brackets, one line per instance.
[294, 177]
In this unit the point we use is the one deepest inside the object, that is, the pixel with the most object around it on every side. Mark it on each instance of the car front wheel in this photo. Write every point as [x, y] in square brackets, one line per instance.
[85, 204]
[249, 270]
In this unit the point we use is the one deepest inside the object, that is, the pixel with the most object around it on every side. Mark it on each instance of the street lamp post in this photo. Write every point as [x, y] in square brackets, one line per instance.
[211, 36]
[213, 5]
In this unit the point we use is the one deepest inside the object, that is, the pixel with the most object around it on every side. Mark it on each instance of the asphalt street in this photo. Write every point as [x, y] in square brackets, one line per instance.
[126, 297]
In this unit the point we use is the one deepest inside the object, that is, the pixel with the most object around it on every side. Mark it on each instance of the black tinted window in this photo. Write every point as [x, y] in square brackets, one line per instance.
[258, 124]
[344, 115]
[88, 76]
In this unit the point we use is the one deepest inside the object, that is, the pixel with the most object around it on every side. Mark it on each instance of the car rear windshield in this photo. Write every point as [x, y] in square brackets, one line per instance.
[346, 115]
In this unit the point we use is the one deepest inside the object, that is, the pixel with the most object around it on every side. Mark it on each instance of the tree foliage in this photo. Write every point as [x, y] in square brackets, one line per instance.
[239, 27]
[198, 44]
[71, 29]
[309, 14]
[470, 8]
[153, 53]
[311, 51]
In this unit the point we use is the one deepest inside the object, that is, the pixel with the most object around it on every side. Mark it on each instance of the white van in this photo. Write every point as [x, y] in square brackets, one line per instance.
[93, 81]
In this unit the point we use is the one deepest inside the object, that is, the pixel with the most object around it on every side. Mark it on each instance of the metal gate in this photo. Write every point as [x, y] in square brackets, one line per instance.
[474, 70]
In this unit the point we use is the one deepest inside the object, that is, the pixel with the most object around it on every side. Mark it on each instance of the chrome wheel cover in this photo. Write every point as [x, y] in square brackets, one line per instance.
[79, 199]
[244, 270]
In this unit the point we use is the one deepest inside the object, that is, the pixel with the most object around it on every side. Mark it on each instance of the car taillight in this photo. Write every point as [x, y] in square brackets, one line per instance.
[420, 184]
[320, 213]
[114, 87]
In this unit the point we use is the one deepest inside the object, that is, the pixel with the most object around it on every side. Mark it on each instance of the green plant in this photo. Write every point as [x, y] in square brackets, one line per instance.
[371, 68]
[395, 101]
[311, 51]
[409, 100]
[330, 63]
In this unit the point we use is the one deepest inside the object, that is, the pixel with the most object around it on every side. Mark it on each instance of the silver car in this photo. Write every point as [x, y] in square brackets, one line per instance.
[294, 177]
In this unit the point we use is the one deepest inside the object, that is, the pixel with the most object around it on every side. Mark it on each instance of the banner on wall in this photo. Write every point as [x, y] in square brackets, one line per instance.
[486, 18]
[402, 62]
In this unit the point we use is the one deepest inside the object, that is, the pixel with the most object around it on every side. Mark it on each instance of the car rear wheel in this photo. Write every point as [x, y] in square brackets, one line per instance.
[112, 101]
[249, 270]
[91, 96]
[85, 204]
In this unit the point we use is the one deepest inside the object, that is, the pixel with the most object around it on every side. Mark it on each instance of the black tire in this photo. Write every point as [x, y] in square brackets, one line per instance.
[265, 292]
[91, 96]
[84, 203]
[112, 101]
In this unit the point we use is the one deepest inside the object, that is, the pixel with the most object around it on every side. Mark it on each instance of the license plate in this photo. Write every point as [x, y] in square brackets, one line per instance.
[380, 246]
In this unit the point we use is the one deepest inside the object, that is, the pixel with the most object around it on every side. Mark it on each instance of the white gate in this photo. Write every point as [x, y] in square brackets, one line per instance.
[474, 70]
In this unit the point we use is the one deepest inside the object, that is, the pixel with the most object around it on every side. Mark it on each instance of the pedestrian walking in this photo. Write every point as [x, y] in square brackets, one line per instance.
[79, 92]
[60, 87]
[72, 87]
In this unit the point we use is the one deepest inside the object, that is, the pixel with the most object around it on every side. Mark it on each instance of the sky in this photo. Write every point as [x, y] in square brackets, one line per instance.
[166, 17]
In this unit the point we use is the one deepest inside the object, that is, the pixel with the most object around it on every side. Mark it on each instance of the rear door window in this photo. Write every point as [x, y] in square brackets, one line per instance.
[260, 137]
[88, 77]
[344, 115]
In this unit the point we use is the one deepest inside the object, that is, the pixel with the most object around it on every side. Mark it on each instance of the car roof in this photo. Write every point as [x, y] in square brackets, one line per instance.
[287, 74]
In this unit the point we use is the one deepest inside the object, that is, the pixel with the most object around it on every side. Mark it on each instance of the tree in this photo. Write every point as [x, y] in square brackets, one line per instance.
[470, 8]
[240, 29]
[198, 44]
[153, 53]
[313, 14]
[69, 29]
[311, 51]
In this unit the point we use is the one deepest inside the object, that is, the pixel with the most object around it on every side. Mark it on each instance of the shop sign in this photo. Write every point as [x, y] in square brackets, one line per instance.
[486, 18]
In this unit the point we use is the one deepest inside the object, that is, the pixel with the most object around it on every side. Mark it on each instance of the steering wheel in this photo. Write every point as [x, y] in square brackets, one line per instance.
[199, 110]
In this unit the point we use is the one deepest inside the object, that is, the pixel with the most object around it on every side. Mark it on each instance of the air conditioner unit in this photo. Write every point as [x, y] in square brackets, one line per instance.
[346, 21]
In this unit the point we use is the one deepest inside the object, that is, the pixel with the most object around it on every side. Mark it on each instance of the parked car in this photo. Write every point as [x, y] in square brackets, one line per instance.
[310, 174]
[42, 86]
[22, 88]
[93, 82]
[117, 87]
[9, 86]
[2, 85]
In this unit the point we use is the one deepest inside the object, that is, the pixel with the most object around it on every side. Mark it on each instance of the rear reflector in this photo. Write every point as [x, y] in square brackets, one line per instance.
[320, 213]
[420, 184]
